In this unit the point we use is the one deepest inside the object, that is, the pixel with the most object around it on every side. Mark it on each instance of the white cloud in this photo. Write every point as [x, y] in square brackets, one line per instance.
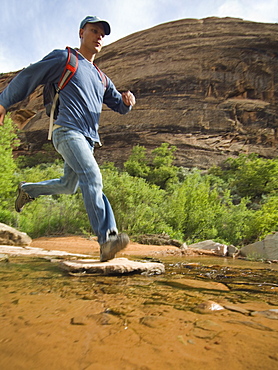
[253, 10]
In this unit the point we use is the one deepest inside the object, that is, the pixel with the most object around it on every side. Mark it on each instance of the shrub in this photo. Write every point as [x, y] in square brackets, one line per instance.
[265, 220]
[8, 141]
[249, 176]
[138, 206]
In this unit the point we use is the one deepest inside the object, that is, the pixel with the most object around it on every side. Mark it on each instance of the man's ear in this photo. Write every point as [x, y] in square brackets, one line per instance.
[81, 33]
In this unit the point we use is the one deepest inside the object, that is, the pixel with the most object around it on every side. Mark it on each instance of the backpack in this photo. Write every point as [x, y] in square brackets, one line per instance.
[51, 92]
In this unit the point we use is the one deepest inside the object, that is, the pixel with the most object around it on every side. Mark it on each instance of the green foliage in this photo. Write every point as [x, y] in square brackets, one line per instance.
[51, 214]
[41, 172]
[136, 165]
[249, 176]
[159, 170]
[264, 221]
[138, 206]
[236, 203]
[7, 143]
[46, 155]
[233, 222]
[48, 215]
[163, 156]
[201, 213]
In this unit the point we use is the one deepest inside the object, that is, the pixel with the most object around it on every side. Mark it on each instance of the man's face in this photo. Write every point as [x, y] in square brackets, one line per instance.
[92, 36]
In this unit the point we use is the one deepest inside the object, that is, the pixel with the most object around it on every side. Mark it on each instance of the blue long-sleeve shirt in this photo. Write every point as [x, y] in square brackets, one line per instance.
[80, 102]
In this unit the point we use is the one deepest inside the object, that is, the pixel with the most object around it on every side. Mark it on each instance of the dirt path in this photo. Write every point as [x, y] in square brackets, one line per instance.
[106, 326]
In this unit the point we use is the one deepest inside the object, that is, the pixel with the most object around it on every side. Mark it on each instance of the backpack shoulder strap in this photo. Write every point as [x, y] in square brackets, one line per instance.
[103, 76]
[70, 68]
[68, 72]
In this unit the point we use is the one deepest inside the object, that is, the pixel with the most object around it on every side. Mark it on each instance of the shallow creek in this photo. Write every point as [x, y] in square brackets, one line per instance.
[52, 320]
[231, 280]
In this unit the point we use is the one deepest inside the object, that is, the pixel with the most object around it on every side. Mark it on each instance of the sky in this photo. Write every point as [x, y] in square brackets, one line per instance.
[30, 29]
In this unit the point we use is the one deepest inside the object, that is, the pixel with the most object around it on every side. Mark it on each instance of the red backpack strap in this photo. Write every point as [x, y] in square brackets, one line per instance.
[69, 70]
[103, 76]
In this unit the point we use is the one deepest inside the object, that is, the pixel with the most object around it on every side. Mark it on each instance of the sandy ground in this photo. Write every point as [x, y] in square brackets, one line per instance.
[105, 329]
[82, 245]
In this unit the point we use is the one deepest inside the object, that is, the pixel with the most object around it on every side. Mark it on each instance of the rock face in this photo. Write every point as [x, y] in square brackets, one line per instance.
[11, 236]
[207, 86]
[266, 249]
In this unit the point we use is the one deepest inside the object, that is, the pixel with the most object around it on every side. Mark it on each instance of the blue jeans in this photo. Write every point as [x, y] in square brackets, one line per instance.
[80, 169]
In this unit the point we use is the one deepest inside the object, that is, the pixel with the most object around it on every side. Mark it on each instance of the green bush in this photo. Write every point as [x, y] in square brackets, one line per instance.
[138, 206]
[194, 207]
[55, 214]
[49, 215]
[46, 155]
[8, 141]
[158, 169]
[249, 176]
[264, 221]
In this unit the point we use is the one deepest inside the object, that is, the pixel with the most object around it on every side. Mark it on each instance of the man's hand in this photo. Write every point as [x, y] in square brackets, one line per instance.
[2, 114]
[128, 98]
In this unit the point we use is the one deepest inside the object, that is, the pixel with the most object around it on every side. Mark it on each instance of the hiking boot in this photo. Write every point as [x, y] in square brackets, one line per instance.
[22, 198]
[114, 244]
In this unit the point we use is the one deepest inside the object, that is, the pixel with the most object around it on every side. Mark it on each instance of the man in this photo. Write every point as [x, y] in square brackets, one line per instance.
[76, 129]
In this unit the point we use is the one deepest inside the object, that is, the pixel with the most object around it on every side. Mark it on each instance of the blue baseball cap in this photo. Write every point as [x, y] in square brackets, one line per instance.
[94, 19]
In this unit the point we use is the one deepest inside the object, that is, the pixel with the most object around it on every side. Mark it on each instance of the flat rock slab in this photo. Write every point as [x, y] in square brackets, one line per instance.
[29, 251]
[116, 266]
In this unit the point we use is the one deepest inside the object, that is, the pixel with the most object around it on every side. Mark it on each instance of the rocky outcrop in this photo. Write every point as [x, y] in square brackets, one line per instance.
[11, 236]
[217, 248]
[207, 86]
[264, 249]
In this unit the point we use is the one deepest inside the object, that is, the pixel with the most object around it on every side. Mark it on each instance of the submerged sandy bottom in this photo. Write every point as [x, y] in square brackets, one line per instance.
[49, 320]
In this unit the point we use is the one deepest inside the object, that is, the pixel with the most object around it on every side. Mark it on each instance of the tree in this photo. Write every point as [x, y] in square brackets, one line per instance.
[163, 172]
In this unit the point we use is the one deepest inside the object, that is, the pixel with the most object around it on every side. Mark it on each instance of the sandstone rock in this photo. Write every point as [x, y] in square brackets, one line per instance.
[11, 236]
[208, 324]
[232, 251]
[184, 247]
[236, 308]
[206, 86]
[265, 249]
[153, 321]
[217, 248]
[270, 314]
[113, 267]
[208, 307]
[250, 324]
[30, 251]
[197, 284]
[4, 258]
